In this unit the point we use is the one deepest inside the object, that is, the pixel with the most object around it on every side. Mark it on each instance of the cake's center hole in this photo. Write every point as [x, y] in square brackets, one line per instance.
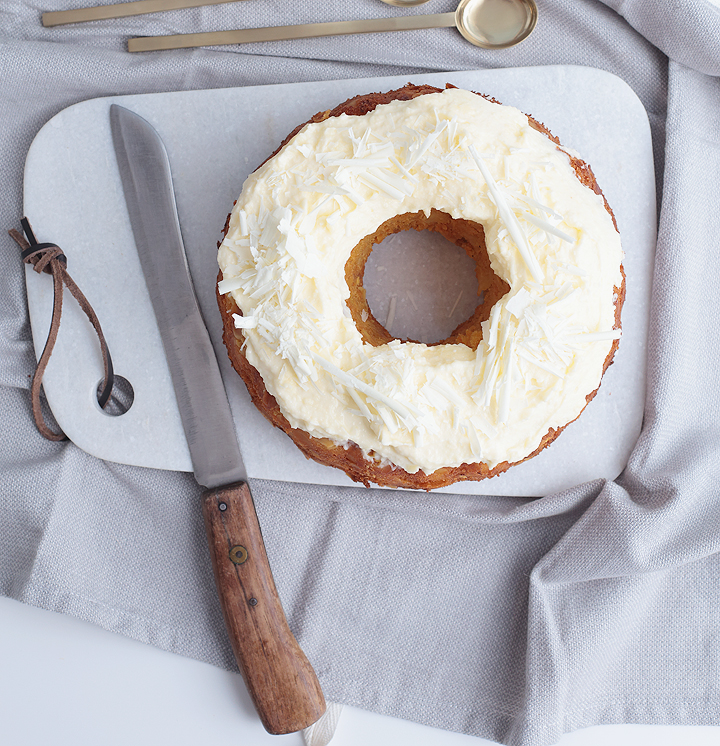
[420, 286]
[422, 279]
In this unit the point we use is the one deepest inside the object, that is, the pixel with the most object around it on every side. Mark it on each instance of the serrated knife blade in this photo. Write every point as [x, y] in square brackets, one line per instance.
[280, 680]
[204, 411]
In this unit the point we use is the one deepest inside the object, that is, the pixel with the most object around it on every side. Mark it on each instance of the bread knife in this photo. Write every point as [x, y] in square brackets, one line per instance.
[278, 675]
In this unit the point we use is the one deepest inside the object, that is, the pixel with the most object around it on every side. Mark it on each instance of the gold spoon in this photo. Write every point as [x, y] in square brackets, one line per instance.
[491, 24]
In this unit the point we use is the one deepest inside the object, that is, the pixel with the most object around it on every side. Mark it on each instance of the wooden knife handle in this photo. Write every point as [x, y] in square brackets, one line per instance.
[280, 679]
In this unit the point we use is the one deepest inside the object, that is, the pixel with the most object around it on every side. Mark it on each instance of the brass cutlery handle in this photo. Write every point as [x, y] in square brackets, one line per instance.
[120, 10]
[301, 31]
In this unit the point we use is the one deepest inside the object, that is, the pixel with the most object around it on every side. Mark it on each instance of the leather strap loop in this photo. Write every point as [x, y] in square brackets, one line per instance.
[48, 257]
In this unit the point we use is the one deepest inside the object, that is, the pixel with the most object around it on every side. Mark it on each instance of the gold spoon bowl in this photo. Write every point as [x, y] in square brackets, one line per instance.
[492, 24]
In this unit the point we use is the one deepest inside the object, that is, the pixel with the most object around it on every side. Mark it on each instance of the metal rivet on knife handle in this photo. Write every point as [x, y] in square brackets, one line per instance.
[238, 554]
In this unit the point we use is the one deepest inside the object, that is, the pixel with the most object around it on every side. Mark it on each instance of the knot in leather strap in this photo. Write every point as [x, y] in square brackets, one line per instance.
[40, 255]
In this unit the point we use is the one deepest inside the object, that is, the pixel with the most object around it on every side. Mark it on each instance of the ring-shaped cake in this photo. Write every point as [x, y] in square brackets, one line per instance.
[506, 382]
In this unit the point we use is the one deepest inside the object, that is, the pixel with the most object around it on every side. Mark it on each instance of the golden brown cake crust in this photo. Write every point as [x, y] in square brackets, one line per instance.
[350, 458]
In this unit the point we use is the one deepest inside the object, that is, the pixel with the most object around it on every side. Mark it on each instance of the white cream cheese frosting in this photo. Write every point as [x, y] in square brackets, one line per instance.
[425, 407]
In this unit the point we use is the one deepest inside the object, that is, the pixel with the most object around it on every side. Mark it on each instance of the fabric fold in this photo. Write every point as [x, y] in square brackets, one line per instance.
[688, 31]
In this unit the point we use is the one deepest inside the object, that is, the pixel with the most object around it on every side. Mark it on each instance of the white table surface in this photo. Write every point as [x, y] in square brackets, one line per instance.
[67, 682]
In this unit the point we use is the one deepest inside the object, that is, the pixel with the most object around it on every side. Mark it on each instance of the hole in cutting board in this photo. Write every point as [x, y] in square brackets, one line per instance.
[121, 397]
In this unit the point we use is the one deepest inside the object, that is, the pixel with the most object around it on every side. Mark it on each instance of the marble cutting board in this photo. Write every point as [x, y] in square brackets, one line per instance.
[215, 138]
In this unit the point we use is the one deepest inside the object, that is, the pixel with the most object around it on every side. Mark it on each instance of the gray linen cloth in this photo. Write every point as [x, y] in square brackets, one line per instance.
[512, 619]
